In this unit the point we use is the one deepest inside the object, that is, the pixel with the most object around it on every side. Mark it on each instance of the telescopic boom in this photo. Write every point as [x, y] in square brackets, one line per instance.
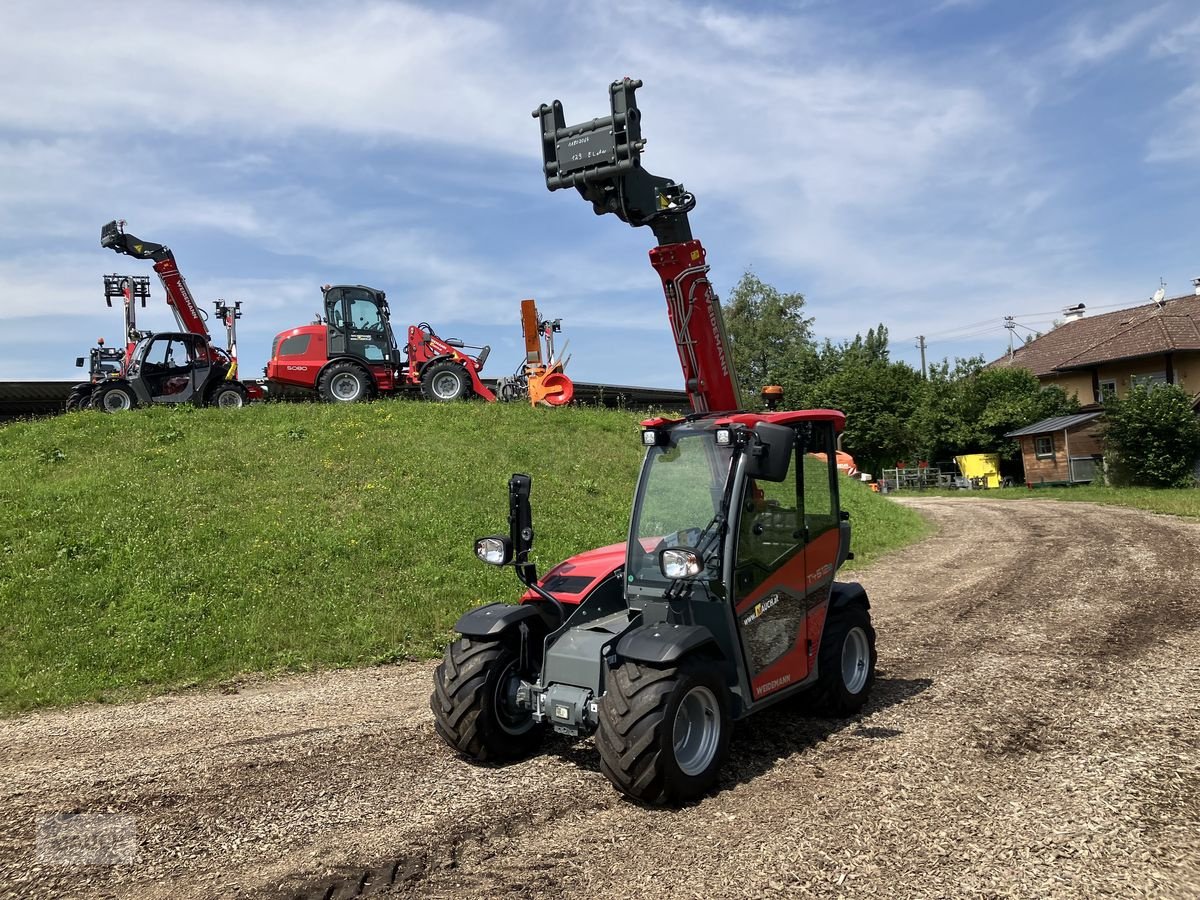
[602, 160]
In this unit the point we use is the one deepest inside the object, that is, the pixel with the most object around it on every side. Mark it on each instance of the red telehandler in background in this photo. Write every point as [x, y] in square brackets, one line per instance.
[170, 367]
[540, 377]
[350, 353]
[722, 601]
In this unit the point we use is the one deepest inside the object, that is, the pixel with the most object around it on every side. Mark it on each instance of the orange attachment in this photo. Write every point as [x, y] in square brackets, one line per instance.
[545, 380]
[551, 389]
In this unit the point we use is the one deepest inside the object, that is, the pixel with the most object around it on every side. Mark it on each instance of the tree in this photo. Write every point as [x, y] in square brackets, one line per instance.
[770, 336]
[993, 402]
[1155, 435]
[879, 399]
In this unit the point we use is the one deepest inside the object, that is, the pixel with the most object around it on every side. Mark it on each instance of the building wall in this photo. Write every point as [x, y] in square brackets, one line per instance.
[1083, 440]
[1079, 384]
[1075, 384]
[1187, 372]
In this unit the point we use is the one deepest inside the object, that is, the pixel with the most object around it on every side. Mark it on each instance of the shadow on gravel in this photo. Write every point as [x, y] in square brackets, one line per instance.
[775, 733]
[759, 742]
[787, 729]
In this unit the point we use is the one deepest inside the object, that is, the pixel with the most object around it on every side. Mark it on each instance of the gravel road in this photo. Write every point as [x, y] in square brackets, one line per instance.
[1033, 733]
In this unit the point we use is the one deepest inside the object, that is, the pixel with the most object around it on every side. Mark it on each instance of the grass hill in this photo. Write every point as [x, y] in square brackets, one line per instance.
[172, 547]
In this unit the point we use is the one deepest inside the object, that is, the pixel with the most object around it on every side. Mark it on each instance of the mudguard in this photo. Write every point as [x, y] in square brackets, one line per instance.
[660, 645]
[845, 593]
[493, 620]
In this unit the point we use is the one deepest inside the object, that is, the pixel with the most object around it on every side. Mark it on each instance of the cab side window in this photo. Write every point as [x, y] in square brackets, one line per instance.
[771, 522]
[364, 314]
[819, 461]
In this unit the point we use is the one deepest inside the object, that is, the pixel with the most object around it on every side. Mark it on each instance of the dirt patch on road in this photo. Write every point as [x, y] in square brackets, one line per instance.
[1032, 734]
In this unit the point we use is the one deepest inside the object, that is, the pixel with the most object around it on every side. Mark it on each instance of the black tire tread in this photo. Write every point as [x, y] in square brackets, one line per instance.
[337, 368]
[827, 697]
[226, 385]
[441, 365]
[631, 712]
[458, 702]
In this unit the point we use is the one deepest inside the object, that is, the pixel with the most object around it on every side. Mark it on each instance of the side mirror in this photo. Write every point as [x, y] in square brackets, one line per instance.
[79, 362]
[771, 452]
[675, 563]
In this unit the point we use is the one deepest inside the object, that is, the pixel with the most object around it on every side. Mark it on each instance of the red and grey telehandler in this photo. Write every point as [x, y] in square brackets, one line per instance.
[173, 367]
[350, 354]
[722, 601]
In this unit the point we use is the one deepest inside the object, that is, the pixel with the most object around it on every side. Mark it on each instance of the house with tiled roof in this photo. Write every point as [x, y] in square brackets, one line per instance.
[1093, 357]
[1096, 357]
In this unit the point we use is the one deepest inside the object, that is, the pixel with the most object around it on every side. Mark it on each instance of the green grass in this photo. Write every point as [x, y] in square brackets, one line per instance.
[1173, 501]
[174, 547]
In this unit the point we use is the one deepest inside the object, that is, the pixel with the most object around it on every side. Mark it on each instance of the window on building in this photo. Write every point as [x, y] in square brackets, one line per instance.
[1108, 390]
[1149, 379]
[1043, 446]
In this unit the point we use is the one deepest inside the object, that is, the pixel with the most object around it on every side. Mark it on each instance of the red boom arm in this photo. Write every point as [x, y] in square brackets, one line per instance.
[179, 298]
[602, 160]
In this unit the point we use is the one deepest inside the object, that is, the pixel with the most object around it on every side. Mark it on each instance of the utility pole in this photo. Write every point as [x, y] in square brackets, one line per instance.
[921, 347]
[1011, 325]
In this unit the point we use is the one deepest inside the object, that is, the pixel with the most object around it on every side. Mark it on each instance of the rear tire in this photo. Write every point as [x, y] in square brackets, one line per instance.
[114, 397]
[445, 381]
[78, 398]
[229, 395]
[846, 662]
[473, 702]
[344, 382]
[663, 733]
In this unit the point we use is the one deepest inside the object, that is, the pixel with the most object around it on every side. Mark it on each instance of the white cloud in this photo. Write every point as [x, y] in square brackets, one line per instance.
[1089, 43]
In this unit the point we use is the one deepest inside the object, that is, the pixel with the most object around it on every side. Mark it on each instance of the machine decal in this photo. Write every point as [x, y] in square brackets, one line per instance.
[762, 607]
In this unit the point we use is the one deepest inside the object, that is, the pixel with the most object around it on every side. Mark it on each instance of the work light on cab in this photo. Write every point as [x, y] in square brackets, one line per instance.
[495, 550]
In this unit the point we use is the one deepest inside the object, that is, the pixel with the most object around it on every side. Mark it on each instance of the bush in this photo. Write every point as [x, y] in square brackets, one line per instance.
[1155, 435]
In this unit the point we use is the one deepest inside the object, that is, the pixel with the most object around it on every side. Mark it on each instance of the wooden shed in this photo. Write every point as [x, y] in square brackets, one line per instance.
[1062, 450]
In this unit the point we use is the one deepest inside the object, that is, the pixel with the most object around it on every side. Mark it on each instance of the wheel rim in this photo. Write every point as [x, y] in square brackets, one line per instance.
[510, 717]
[345, 386]
[697, 730]
[115, 401]
[445, 385]
[856, 660]
[229, 400]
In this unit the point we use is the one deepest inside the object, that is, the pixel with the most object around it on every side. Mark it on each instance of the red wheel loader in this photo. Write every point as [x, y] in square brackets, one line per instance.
[723, 599]
[350, 354]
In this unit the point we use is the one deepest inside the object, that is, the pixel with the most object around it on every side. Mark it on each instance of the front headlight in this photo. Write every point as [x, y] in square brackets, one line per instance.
[676, 563]
[495, 550]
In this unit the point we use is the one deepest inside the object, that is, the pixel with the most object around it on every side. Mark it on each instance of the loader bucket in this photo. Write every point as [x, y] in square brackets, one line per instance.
[553, 389]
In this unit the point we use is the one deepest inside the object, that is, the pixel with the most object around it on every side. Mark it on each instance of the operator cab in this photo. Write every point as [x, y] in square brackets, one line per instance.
[763, 528]
[359, 324]
[173, 367]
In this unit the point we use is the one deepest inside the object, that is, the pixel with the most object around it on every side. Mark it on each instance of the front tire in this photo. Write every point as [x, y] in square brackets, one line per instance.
[663, 733]
[229, 395]
[473, 702]
[846, 662]
[344, 382]
[445, 381]
[113, 398]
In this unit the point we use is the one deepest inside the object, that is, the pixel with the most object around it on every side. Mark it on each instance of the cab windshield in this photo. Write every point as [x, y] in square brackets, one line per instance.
[678, 502]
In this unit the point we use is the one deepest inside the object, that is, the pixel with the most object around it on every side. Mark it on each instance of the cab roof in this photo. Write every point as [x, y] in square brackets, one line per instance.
[750, 419]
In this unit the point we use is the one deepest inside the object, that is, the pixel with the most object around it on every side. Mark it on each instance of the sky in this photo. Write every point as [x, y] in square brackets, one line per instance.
[934, 166]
